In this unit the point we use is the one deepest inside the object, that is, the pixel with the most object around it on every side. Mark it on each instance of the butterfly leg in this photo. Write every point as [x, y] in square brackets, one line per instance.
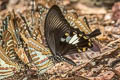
[59, 58]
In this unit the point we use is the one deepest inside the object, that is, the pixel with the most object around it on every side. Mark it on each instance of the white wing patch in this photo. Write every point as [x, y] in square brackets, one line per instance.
[74, 39]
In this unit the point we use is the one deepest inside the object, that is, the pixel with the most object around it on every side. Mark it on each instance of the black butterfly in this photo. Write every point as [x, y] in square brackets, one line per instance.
[62, 38]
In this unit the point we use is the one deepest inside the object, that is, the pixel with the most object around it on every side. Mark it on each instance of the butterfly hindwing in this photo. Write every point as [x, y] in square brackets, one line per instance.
[95, 43]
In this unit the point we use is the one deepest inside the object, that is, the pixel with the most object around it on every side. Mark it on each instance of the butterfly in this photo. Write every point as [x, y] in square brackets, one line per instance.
[20, 49]
[9, 49]
[7, 67]
[38, 52]
[17, 56]
[81, 23]
[8, 58]
[62, 38]
[8, 40]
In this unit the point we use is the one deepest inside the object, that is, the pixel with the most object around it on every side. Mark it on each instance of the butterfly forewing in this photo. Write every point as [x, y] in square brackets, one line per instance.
[40, 60]
[4, 57]
[83, 25]
[39, 54]
[55, 27]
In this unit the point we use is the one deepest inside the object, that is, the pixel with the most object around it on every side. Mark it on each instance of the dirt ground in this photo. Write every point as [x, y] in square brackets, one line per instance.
[91, 65]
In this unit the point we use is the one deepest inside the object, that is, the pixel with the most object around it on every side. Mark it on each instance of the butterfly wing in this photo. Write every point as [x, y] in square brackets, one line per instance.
[55, 27]
[95, 43]
[7, 67]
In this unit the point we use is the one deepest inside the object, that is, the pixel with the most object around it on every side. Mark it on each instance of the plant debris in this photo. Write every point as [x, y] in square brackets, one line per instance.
[24, 27]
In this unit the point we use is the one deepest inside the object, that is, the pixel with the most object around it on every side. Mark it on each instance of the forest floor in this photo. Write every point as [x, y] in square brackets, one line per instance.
[103, 65]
